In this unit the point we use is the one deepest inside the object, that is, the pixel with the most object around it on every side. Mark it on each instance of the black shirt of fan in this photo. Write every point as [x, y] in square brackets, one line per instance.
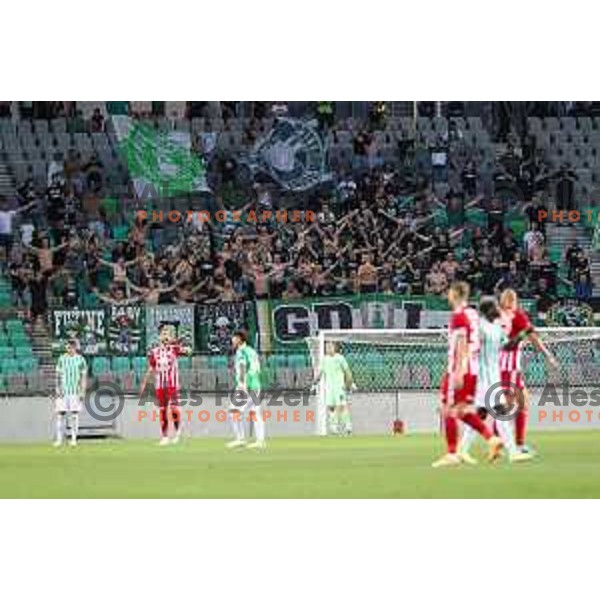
[565, 191]
[56, 202]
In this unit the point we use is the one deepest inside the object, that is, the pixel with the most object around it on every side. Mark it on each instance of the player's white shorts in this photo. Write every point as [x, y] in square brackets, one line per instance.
[480, 395]
[67, 403]
[484, 388]
[245, 405]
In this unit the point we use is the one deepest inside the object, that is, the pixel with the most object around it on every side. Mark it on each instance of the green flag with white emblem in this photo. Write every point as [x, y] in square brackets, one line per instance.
[159, 162]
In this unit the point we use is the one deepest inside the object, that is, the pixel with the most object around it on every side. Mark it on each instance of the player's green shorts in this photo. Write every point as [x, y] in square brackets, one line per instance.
[336, 397]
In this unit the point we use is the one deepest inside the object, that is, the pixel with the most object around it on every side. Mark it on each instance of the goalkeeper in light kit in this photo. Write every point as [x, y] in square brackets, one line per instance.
[247, 385]
[71, 382]
[337, 381]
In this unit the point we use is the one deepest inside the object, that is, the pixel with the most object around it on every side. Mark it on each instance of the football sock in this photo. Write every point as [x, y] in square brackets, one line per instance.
[451, 427]
[175, 417]
[495, 428]
[259, 425]
[60, 427]
[506, 435]
[237, 425]
[337, 419]
[475, 421]
[74, 426]
[346, 420]
[468, 437]
[164, 422]
[521, 426]
[333, 422]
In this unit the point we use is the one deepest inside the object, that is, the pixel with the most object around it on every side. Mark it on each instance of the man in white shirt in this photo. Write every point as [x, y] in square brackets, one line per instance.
[532, 240]
[6, 225]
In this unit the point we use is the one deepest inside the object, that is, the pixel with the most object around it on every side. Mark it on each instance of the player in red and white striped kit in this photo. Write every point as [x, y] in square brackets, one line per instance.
[162, 362]
[460, 382]
[519, 329]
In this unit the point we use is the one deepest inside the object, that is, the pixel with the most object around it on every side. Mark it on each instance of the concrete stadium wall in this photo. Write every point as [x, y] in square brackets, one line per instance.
[30, 419]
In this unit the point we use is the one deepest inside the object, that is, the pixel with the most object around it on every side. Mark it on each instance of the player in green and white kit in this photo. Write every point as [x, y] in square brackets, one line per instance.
[247, 381]
[492, 339]
[71, 382]
[337, 380]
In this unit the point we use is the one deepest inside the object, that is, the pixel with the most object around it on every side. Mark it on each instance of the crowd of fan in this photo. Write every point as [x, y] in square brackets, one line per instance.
[375, 231]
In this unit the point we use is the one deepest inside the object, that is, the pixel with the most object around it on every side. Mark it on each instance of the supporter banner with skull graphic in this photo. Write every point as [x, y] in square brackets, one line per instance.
[217, 322]
[292, 154]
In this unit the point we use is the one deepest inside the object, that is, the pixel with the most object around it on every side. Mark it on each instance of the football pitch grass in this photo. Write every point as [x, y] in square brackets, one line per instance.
[567, 466]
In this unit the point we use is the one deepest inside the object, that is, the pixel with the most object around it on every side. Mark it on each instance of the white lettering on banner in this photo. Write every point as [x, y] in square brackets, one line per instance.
[295, 319]
[293, 323]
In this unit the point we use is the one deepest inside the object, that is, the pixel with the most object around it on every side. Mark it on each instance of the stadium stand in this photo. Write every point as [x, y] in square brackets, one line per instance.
[413, 196]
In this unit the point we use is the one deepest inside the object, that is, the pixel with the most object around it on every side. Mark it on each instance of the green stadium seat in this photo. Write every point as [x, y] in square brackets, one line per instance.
[10, 366]
[298, 361]
[139, 364]
[29, 365]
[121, 364]
[19, 339]
[14, 325]
[14, 334]
[277, 361]
[23, 352]
[6, 352]
[100, 365]
[185, 362]
[218, 362]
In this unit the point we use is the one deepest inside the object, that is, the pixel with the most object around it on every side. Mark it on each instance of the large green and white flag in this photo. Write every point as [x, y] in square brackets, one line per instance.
[159, 162]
